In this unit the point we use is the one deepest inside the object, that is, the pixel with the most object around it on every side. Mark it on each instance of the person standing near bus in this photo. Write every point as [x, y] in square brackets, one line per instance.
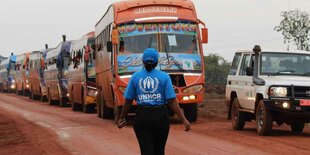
[153, 91]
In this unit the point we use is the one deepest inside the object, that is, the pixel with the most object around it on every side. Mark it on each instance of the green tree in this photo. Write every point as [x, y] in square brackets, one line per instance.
[295, 26]
[217, 69]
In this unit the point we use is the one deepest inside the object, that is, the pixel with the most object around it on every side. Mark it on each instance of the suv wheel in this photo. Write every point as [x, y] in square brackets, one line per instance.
[264, 119]
[297, 127]
[237, 117]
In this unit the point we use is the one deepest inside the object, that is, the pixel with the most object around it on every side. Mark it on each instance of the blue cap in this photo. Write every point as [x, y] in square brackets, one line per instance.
[150, 56]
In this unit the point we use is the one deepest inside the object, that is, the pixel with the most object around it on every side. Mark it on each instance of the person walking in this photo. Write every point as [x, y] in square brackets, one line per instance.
[153, 91]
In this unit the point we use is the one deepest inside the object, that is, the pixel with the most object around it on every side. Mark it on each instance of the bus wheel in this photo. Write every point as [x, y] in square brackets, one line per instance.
[117, 112]
[17, 91]
[107, 113]
[33, 97]
[30, 96]
[87, 108]
[42, 97]
[62, 102]
[191, 112]
[50, 101]
[98, 106]
[75, 106]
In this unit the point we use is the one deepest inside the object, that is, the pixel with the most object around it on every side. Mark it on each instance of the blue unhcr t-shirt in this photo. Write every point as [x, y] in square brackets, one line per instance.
[150, 88]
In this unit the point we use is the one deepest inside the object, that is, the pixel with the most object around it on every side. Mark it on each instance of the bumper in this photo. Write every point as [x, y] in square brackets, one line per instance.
[91, 100]
[292, 108]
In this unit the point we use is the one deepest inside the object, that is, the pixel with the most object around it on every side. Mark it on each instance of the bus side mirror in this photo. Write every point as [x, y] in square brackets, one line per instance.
[115, 37]
[205, 35]
[109, 46]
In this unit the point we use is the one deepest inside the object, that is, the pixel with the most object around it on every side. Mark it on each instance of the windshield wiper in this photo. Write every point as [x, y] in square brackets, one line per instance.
[168, 58]
[284, 72]
[306, 74]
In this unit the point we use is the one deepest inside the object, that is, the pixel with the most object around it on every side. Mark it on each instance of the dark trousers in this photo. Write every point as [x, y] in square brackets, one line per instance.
[152, 128]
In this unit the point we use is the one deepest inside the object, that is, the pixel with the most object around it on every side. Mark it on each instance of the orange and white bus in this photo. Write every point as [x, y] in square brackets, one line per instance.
[56, 73]
[128, 28]
[22, 74]
[36, 74]
[82, 76]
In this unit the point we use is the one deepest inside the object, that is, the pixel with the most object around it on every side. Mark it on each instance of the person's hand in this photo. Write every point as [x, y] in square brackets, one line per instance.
[187, 125]
[121, 123]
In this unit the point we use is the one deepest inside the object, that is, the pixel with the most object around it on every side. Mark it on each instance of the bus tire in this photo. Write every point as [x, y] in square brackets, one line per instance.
[107, 113]
[98, 106]
[75, 106]
[33, 97]
[87, 108]
[30, 96]
[117, 112]
[50, 101]
[62, 102]
[191, 112]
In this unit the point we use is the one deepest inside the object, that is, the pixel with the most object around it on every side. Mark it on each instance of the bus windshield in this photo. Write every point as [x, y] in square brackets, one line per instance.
[176, 43]
[179, 43]
[138, 43]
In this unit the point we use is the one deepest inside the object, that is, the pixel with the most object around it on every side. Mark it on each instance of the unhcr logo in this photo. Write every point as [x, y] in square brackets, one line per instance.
[148, 85]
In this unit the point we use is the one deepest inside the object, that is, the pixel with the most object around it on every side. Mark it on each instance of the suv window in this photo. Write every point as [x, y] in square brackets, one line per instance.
[246, 62]
[235, 64]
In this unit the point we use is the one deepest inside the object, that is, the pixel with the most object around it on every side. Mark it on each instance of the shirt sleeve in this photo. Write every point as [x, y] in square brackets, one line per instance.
[169, 91]
[130, 92]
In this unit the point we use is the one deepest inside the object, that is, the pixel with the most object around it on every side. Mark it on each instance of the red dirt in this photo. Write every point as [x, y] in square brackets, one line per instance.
[32, 127]
[19, 136]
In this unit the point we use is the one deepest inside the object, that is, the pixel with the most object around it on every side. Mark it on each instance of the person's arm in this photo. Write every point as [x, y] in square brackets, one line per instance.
[174, 106]
[121, 121]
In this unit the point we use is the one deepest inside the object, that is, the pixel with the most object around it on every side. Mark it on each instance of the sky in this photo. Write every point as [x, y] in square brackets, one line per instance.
[27, 25]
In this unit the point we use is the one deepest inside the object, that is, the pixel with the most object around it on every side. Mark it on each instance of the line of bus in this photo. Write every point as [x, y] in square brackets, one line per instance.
[128, 28]
[36, 74]
[21, 74]
[82, 76]
[7, 78]
[56, 73]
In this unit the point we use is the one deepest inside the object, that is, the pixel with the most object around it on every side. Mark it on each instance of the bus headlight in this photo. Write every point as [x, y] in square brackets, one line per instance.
[193, 89]
[92, 92]
[278, 91]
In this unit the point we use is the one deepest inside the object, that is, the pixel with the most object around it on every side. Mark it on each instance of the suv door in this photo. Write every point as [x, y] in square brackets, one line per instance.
[246, 93]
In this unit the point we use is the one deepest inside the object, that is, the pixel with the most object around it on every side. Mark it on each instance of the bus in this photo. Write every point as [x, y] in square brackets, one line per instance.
[56, 73]
[7, 74]
[36, 74]
[82, 76]
[128, 28]
[21, 73]
[3, 72]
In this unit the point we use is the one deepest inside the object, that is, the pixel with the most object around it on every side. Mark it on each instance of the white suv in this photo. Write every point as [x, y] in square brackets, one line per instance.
[269, 86]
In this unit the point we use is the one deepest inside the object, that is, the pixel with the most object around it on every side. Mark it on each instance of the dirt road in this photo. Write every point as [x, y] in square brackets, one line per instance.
[33, 127]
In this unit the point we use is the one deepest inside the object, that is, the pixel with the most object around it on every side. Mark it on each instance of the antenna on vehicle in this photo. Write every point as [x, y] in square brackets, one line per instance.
[64, 37]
